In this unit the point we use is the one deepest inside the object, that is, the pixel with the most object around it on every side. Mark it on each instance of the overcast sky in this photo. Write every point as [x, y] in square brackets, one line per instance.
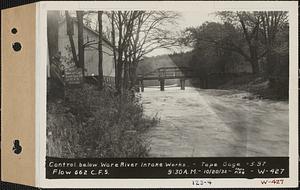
[188, 19]
[196, 18]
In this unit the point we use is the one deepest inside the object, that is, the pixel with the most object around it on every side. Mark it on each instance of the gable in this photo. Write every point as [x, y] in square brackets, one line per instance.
[86, 30]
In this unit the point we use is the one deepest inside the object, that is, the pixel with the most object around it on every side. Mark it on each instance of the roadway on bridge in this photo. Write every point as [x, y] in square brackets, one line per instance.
[208, 123]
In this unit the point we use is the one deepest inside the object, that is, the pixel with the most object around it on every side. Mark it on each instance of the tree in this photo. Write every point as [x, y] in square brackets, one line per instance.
[241, 32]
[152, 30]
[135, 34]
[52, 32]
[70, 33]
[100, 69]
[80, 40]
[247, 23]
[273, 22]
[113, 38]
[216, 46]
[120, 52]
[259, 29]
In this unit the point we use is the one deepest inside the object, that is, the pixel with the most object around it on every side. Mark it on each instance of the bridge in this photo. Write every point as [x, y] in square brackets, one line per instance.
[165, 73]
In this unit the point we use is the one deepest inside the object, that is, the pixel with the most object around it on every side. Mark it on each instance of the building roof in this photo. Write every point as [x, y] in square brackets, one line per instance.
[90, 29]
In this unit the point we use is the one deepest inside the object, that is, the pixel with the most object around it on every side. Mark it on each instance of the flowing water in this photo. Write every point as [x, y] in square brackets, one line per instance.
[215, 123]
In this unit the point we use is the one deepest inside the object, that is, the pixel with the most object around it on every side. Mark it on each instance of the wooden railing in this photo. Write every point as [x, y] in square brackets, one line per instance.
[168, 73]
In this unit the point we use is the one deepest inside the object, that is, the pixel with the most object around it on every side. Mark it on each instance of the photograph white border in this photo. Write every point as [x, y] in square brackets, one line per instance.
[41, 60]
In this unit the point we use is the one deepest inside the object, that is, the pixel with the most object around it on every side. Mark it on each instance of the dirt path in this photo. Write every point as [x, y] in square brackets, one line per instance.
[204, 123]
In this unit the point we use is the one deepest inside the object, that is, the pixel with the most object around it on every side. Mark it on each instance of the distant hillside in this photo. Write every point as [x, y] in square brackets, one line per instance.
[150, 64]
[172, 60]
[213, 70]
[201, 62]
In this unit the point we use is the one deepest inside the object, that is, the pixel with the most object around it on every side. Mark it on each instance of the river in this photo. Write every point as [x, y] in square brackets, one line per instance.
[215, 123]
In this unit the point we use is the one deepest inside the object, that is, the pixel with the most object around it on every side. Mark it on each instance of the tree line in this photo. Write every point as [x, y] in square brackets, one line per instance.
[260, 38]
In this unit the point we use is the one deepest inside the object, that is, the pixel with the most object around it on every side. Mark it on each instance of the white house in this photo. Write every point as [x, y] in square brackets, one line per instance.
[91, 57]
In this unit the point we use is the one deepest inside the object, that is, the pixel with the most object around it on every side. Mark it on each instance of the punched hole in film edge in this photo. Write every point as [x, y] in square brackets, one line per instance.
[14, 31]
[17, 148]
[17, 46]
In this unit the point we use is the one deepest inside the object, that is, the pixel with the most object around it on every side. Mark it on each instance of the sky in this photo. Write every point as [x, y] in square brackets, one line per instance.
[188, 19]
[196, 18]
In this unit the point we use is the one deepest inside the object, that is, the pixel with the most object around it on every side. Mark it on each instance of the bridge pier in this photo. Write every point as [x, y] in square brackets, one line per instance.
[142, 85]
[182, 84]
[165, 73]
[162, 84]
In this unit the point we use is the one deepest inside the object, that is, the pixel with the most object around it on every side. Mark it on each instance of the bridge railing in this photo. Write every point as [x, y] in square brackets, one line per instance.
[167, 73]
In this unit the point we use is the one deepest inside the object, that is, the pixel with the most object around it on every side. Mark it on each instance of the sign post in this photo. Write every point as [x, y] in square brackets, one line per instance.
[73, 77]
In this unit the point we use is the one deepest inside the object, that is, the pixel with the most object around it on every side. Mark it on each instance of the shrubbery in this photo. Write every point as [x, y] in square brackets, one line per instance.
[94, 123]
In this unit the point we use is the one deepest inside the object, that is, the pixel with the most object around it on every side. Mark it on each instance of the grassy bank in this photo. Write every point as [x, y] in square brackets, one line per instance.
[260, 86]
[93, 123]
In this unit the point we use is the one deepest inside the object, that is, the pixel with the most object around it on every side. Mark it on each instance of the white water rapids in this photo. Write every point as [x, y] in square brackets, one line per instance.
[215, 123]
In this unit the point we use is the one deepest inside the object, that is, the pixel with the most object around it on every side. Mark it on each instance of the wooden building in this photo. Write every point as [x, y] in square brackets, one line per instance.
[91, 57]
